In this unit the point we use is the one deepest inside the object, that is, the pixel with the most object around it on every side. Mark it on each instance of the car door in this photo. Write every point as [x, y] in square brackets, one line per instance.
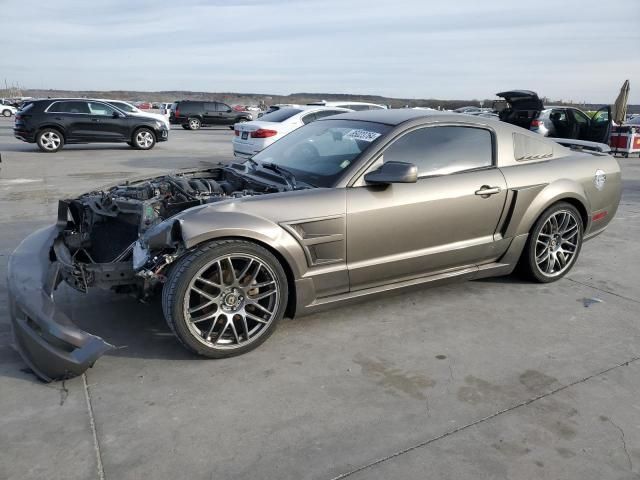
[446, 220]
[210, 114]
[582, 124]
[600, 126]
[106, 123]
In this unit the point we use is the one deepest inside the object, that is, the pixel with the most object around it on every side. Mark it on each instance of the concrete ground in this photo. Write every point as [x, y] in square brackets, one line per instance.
[493, 379]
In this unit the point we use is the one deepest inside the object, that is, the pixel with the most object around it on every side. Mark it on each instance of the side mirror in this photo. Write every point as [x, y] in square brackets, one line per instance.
[393, 172]
[117, 115]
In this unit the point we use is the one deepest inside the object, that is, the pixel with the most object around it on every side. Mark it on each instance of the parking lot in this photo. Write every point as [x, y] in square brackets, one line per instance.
[498, 378]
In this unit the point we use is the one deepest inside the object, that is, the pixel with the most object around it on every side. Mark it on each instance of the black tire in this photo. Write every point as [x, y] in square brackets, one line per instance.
[194, 123]
[143, 139]
[185, 126]
[49, 140]
[6, 112]
[535, 261]
[242, 120]
[179, 283]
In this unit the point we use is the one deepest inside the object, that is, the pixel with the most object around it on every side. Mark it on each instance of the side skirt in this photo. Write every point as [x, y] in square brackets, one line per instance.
[504, 266]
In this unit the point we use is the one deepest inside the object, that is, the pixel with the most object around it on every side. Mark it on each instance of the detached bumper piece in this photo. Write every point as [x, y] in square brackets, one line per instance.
[49, 342]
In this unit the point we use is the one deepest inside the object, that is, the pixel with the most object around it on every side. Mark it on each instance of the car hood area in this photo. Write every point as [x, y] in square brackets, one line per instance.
[123, 237]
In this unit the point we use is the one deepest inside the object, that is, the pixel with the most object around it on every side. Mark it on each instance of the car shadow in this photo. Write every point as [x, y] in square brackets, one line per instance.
[134, 328]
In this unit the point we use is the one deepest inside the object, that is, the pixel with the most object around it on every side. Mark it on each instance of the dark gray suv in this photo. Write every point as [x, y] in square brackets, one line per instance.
[192, 115]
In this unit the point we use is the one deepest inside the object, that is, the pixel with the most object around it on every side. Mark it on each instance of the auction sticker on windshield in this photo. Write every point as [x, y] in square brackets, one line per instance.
[360, 134]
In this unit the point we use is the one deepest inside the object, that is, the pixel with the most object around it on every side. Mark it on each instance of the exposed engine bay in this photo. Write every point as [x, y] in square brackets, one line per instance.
[98, 242]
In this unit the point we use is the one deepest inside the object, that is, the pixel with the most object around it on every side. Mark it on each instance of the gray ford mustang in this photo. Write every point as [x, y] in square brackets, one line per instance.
[342, 208]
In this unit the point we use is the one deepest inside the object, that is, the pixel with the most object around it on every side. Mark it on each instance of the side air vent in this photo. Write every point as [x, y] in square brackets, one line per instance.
[321, 238]
[529, 148]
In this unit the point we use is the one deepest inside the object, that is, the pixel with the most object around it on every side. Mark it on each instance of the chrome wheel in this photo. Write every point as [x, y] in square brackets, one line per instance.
[557, 243]
[50, 140]
[230, 301]
[194, 124]
[144, 139]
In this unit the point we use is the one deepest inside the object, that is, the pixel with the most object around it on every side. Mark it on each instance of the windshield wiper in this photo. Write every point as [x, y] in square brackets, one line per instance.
[253, 162]
[287, 176]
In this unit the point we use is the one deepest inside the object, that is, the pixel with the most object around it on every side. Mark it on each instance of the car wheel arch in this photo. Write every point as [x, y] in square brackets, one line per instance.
[135, 130]
[284, 259]
[564, 190]
[54, 126]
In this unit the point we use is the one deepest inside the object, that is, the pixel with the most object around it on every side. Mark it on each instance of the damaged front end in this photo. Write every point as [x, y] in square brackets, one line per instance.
[121, 239]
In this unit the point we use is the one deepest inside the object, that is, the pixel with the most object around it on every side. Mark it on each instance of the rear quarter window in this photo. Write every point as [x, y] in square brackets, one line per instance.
[279, 115]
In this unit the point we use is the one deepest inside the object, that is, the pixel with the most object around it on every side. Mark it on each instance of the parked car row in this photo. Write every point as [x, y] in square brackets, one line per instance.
[86, 121]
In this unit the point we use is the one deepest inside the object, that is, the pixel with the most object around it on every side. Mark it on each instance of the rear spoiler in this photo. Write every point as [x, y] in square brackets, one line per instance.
[583, 145]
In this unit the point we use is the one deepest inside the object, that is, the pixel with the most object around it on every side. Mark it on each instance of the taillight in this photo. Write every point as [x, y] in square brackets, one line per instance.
[536, 123]
[18, 117]
[263, 133]
[237, 132]
[176, 113]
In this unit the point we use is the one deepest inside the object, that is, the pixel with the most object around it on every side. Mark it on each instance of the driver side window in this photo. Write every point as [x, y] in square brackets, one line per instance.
[222, 107]
[443, 150]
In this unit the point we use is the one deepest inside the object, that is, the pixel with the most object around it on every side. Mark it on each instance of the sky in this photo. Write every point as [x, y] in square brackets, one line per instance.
[580, 50]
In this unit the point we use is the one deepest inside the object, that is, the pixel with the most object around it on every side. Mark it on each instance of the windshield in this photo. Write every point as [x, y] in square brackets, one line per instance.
[321, 152]
[279, 115]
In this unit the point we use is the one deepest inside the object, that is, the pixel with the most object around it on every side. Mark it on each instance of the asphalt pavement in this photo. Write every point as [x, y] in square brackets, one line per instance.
[491, 379]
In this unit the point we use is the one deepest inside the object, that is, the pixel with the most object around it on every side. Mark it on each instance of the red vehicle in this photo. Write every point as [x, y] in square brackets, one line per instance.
[144, 105]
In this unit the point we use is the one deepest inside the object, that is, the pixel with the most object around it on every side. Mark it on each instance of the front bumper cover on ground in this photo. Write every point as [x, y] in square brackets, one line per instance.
[49, 342]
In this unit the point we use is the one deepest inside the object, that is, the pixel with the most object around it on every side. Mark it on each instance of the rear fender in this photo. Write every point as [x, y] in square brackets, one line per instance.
[529, 203]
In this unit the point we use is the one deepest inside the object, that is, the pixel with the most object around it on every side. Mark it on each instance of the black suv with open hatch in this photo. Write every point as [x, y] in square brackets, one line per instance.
[192, 115]
[54, 122]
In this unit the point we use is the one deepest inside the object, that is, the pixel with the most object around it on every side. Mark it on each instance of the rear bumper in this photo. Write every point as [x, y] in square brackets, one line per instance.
[24, 135]
[49, 342]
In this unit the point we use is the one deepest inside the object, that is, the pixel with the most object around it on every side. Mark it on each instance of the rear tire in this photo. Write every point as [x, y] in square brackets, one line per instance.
[143, 139]
[49, 140]
[7, 113]
[225, 298]
[194, 124]
[553, 245]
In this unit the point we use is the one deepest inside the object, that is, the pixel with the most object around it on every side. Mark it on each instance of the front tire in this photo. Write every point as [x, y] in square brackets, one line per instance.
[49, 140]
[7, 113]
[225, 298]
[143, 139]
[553, 245]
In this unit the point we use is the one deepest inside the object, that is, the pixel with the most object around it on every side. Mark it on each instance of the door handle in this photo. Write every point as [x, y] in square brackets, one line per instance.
[486, 191]
[95, 120]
